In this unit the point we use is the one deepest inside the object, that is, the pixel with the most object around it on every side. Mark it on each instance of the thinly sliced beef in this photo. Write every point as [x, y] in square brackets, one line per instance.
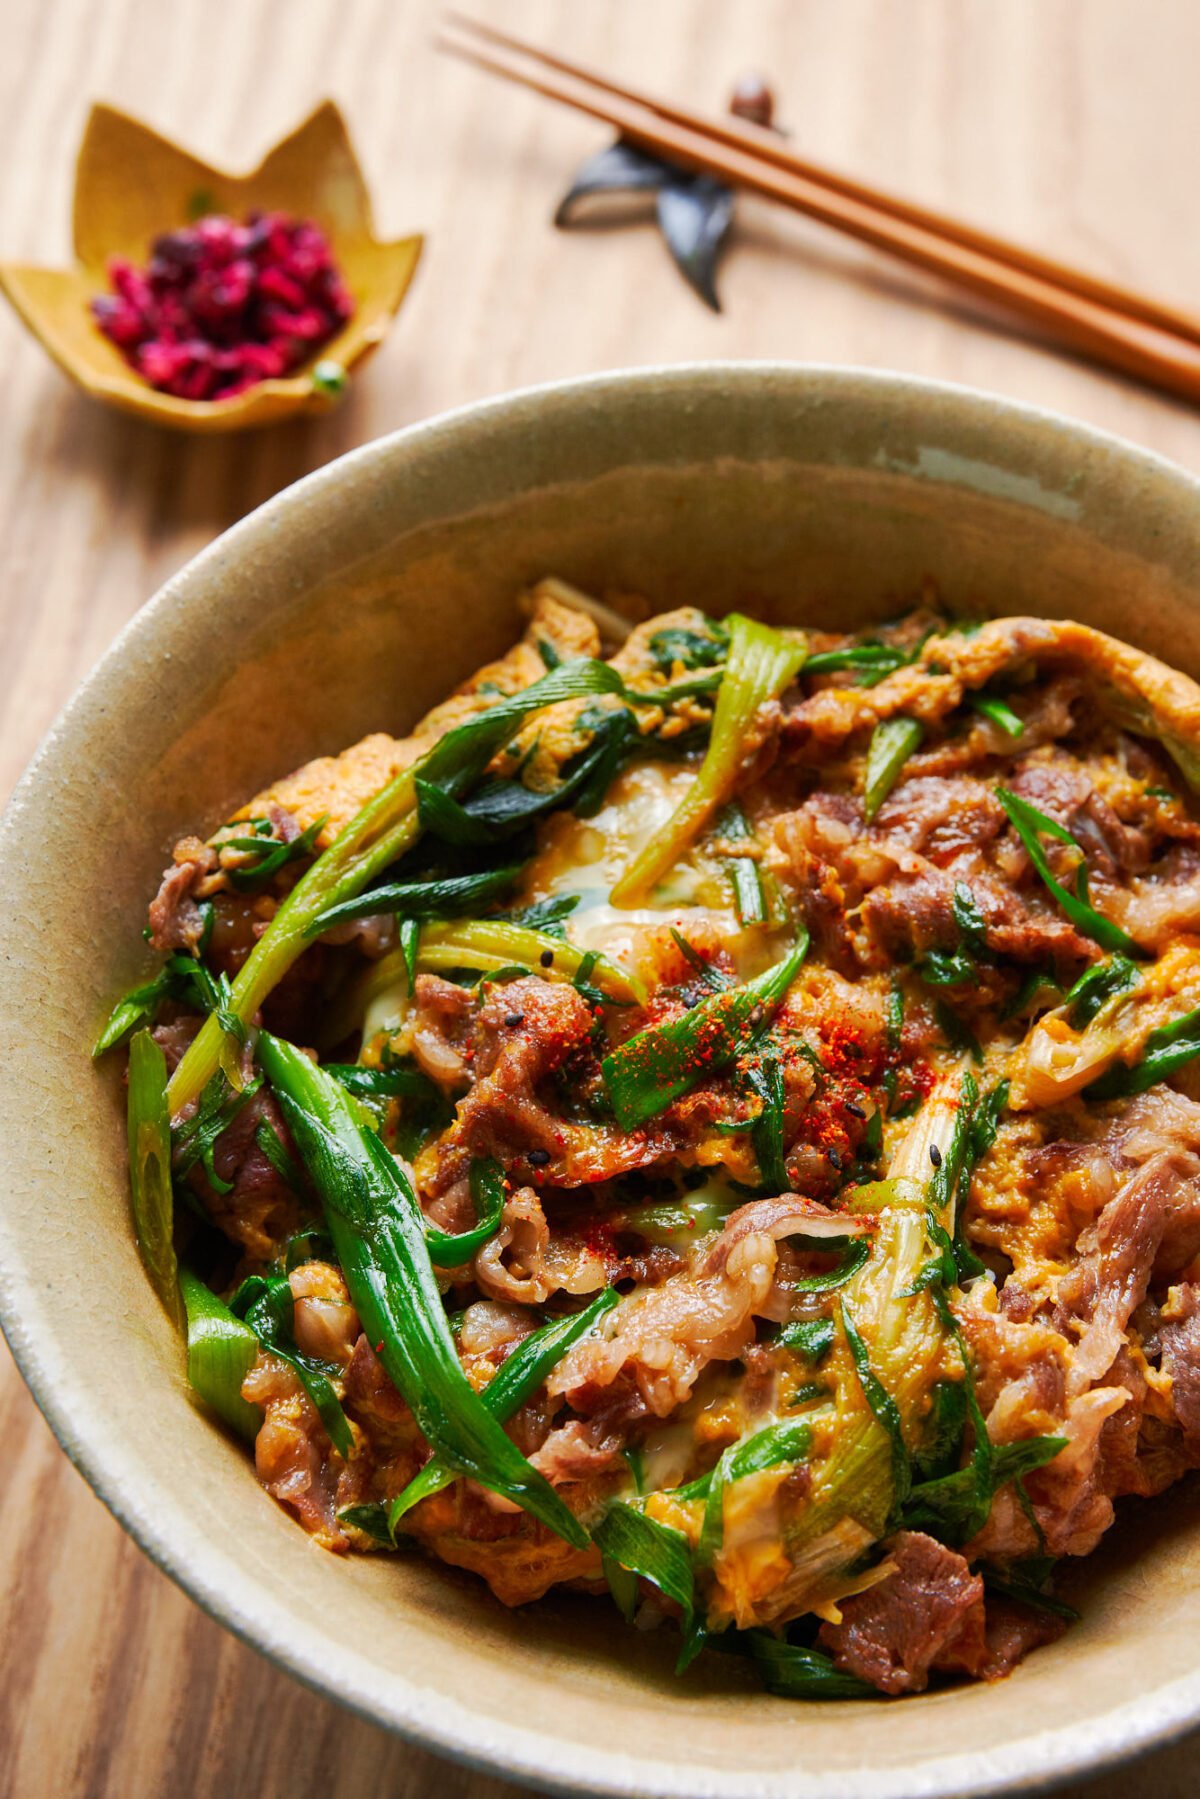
[1011, 1630]
[294, 1458]
[657, 1340]
[870, 898]
[441, 1027]
[577, 1451]
[942, 816]
[1070, 1497]
[524, 1265]
[1161, 905]
[176, 921]
[1179, 1340]
[928, 1614]
[524, 1031]
[1112, 1273]
[1061, 787]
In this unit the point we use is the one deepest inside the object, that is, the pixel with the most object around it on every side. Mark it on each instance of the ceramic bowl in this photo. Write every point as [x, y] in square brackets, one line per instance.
[350, 603]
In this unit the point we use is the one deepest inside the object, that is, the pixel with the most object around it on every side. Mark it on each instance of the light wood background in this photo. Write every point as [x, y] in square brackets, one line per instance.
[1069, 123]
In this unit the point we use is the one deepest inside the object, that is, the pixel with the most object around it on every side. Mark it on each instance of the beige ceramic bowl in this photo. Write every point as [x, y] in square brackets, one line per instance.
[352, 602]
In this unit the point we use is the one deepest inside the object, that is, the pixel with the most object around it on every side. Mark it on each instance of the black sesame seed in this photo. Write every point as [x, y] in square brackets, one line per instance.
[835, 1158]
[935, 1155]
[547, 958]
[855, 1110]
[513, 1019]
[538, 1158]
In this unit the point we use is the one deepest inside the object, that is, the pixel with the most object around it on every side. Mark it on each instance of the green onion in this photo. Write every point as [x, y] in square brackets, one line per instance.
[181, 978]
[765, 1078]
[653, 1551]
[386, 826]
[760, 665]
[378, 1232]
[951, 969]
[265, 1303]
[998, 713]
[221, 1351]
[270, 854]
[897, 1341]
[1096, 987]
[810, 1338]
[856, 1250]
[545, 915]
[149, 1130]
[503, 806]
[1166, 1051]
[882, 1404]
[487, 1197]
[517, 1379]
[268, 1140]
[879, 658]
[381, 1083]
[490, 944]
[658, 1065]
[791, 1671]
[371, 1520]
[676, 1223]
[420, 899]
[749, 895]
[424, 1109]
[709, 975]
[973, 1132]
[1031, 825]
[893, 741]
[1029, 996]
[956, 1507]
[196, 1140]
[769, 1448]
[694, 649]
[749, 899]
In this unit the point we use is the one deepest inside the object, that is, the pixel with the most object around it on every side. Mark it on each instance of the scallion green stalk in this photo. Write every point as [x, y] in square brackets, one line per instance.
[378, 1233]
[150, 1169]
[221, 1351]
[1031, 826]
[760, 665]
[657, 1066]
[493, 943]
[1165, 1051]
[893, 741]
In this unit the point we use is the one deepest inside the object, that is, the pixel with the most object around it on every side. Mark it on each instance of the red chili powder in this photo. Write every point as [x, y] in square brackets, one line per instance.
[221, 306]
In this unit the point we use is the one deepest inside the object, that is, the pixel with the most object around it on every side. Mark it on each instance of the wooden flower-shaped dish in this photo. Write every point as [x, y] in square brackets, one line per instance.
[131, 185]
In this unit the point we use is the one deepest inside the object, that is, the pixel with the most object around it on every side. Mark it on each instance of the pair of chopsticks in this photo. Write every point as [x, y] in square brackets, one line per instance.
[1110, 324]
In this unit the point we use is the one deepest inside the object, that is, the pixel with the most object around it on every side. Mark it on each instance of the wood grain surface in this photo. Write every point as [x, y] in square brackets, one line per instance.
[1071, 124]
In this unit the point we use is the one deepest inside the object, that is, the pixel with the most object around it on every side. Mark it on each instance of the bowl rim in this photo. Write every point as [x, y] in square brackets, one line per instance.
[1036, 1764]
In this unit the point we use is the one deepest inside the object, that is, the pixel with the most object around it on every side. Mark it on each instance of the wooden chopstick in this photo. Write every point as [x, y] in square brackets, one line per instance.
[1124, 331]
[769, 146]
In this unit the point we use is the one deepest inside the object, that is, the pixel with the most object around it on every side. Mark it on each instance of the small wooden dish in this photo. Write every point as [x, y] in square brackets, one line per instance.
[131, 185]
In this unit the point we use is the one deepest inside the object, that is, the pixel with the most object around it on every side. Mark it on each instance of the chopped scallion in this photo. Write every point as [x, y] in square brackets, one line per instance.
[1031, 826]
[893, 741]
[759, 666]
[657, 1066]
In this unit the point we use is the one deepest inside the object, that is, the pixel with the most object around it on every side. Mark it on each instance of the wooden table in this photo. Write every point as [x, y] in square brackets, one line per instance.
[1068, 123]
